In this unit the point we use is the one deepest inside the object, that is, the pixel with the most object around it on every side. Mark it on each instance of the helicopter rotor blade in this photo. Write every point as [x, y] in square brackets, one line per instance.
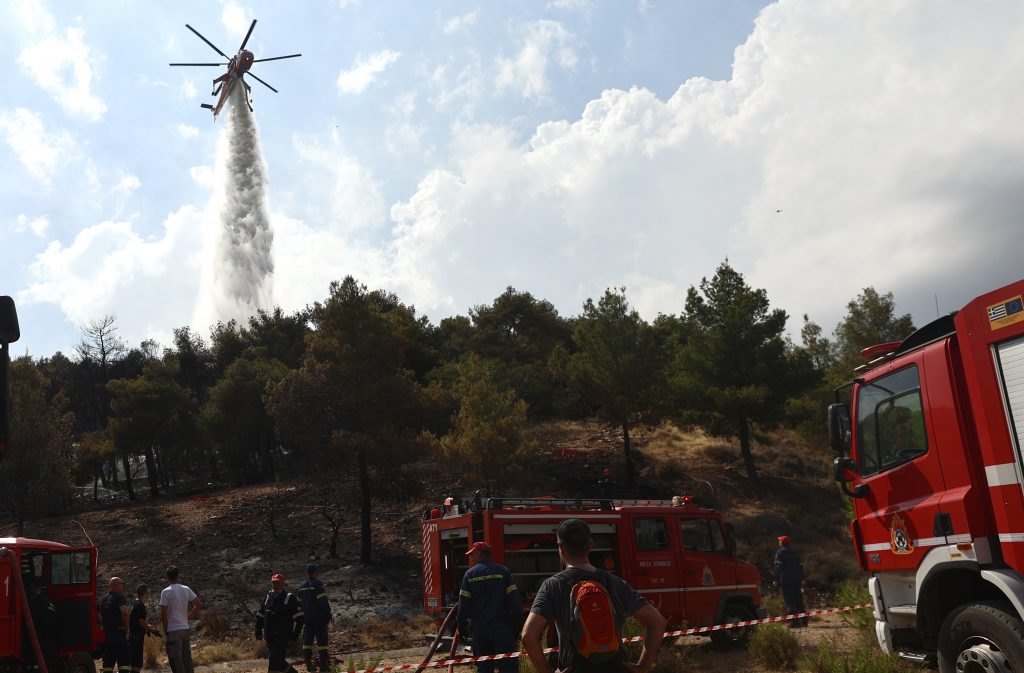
[246, 40]
[276, 58]
[212, 45]
[262, 82]
[222, 65]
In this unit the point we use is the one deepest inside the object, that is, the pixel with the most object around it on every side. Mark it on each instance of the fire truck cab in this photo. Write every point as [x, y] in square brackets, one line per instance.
[930, 450]
[676, 553]
[69, 577]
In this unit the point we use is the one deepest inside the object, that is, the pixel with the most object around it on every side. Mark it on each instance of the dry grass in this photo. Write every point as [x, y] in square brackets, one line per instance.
[227, 650]
[153, 652]
[388, 633]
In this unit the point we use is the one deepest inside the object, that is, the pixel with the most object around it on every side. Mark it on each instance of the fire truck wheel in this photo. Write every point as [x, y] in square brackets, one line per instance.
[736, 638]
[82, 662]
[983, 636]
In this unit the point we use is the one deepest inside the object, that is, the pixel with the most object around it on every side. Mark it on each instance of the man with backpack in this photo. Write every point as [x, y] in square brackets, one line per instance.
[490, 609]
[589, 607]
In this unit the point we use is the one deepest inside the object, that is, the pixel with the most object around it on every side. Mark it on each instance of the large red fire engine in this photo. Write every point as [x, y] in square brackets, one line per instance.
[68, 573]
[676, 553]
[930, 450]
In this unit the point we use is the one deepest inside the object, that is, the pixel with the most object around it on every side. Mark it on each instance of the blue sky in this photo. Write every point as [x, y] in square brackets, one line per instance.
[447, 150]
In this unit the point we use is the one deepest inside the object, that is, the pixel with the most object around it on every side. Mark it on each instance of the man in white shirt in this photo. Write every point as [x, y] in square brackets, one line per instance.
[178, 604]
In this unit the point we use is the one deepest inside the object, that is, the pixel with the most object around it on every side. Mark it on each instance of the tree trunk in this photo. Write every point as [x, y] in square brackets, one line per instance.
[748, 457]
[627, 453]
[103, 476]
[151, 474]
[364, 507]
[335, 534]
[95, 488]
[128, 475]
[112, 463]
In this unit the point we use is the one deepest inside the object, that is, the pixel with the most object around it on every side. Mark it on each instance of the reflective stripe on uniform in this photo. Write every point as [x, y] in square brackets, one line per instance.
[511, 588]
[322, 649]
[465, 593]
[307, 647]
[323, 595]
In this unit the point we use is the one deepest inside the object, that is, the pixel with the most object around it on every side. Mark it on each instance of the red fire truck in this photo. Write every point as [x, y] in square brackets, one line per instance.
[930, 450]
[676, 553]
[68, 573]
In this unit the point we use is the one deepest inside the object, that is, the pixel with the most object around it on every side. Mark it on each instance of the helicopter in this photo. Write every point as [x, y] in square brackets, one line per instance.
[237, 67]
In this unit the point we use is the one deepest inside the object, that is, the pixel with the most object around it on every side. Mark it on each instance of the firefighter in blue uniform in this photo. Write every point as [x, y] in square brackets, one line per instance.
[279, 620]
[490, 609]
[316, 611]
[788, 571]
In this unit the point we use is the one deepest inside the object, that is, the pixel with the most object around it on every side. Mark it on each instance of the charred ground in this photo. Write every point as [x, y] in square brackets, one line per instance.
[228, 541]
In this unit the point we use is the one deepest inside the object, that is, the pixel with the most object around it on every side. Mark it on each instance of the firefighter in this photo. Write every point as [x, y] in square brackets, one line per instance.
[279, 620]
[138, 627]
[788, 571]
[490, 609]
[606, 483]
[316, 612]
[44, 619]
[113, 608]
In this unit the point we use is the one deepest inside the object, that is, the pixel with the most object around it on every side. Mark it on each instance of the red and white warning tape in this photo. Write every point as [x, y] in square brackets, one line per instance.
[462, 661]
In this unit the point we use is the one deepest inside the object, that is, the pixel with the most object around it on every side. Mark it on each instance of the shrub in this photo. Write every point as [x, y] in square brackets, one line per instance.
[152, 650]
[775, 605]
[856, 593]
[827, 658]
[774, 646]
[216, 625]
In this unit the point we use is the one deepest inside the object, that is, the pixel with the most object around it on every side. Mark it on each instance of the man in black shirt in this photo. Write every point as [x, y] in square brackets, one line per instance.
[138, 627]
[554, 603]
[113, 608]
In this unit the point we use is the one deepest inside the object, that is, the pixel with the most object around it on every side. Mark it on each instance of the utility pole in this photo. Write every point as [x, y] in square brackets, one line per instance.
[9, 333]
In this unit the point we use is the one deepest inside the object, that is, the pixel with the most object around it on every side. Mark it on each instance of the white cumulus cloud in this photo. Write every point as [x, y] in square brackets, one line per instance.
[59, 61]
[364, 71]
[457, 24]
[543, 42]
[43, 153]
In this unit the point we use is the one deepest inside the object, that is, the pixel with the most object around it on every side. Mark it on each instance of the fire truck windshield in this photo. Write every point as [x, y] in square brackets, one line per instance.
[890, 422]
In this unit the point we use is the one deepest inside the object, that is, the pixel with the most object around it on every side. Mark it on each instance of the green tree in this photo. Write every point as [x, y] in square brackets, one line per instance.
[35, 475]
[870, 320]
[617, 366]
[355, 386]
[237, 420]
[153, 416]
[91, 452]
[520, 331]
[486, 440]
[736, 369]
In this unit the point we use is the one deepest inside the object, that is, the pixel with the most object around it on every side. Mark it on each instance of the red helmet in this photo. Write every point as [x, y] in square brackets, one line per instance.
[784, 539]
[478, 546]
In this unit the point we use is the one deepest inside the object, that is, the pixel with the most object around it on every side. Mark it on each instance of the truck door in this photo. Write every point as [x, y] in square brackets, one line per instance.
[72, 589]
[702, 572]
[657, 577]
[897, 460]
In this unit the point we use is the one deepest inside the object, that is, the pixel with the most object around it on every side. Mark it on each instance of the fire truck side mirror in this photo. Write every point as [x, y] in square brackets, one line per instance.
[9, 331]
[730, 539]
[845, 470]
[839, 434]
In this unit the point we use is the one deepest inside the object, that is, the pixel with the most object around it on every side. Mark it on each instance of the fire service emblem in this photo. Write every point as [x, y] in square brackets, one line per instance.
[899, 539]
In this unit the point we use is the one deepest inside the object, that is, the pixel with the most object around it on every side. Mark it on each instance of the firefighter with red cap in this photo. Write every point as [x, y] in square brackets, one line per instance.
[279, 620]
[490, 609]
[788, 572]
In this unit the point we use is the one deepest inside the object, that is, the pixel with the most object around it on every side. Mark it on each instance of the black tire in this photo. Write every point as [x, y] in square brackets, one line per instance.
[736, 638]
[82, 662]
[984, 636]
